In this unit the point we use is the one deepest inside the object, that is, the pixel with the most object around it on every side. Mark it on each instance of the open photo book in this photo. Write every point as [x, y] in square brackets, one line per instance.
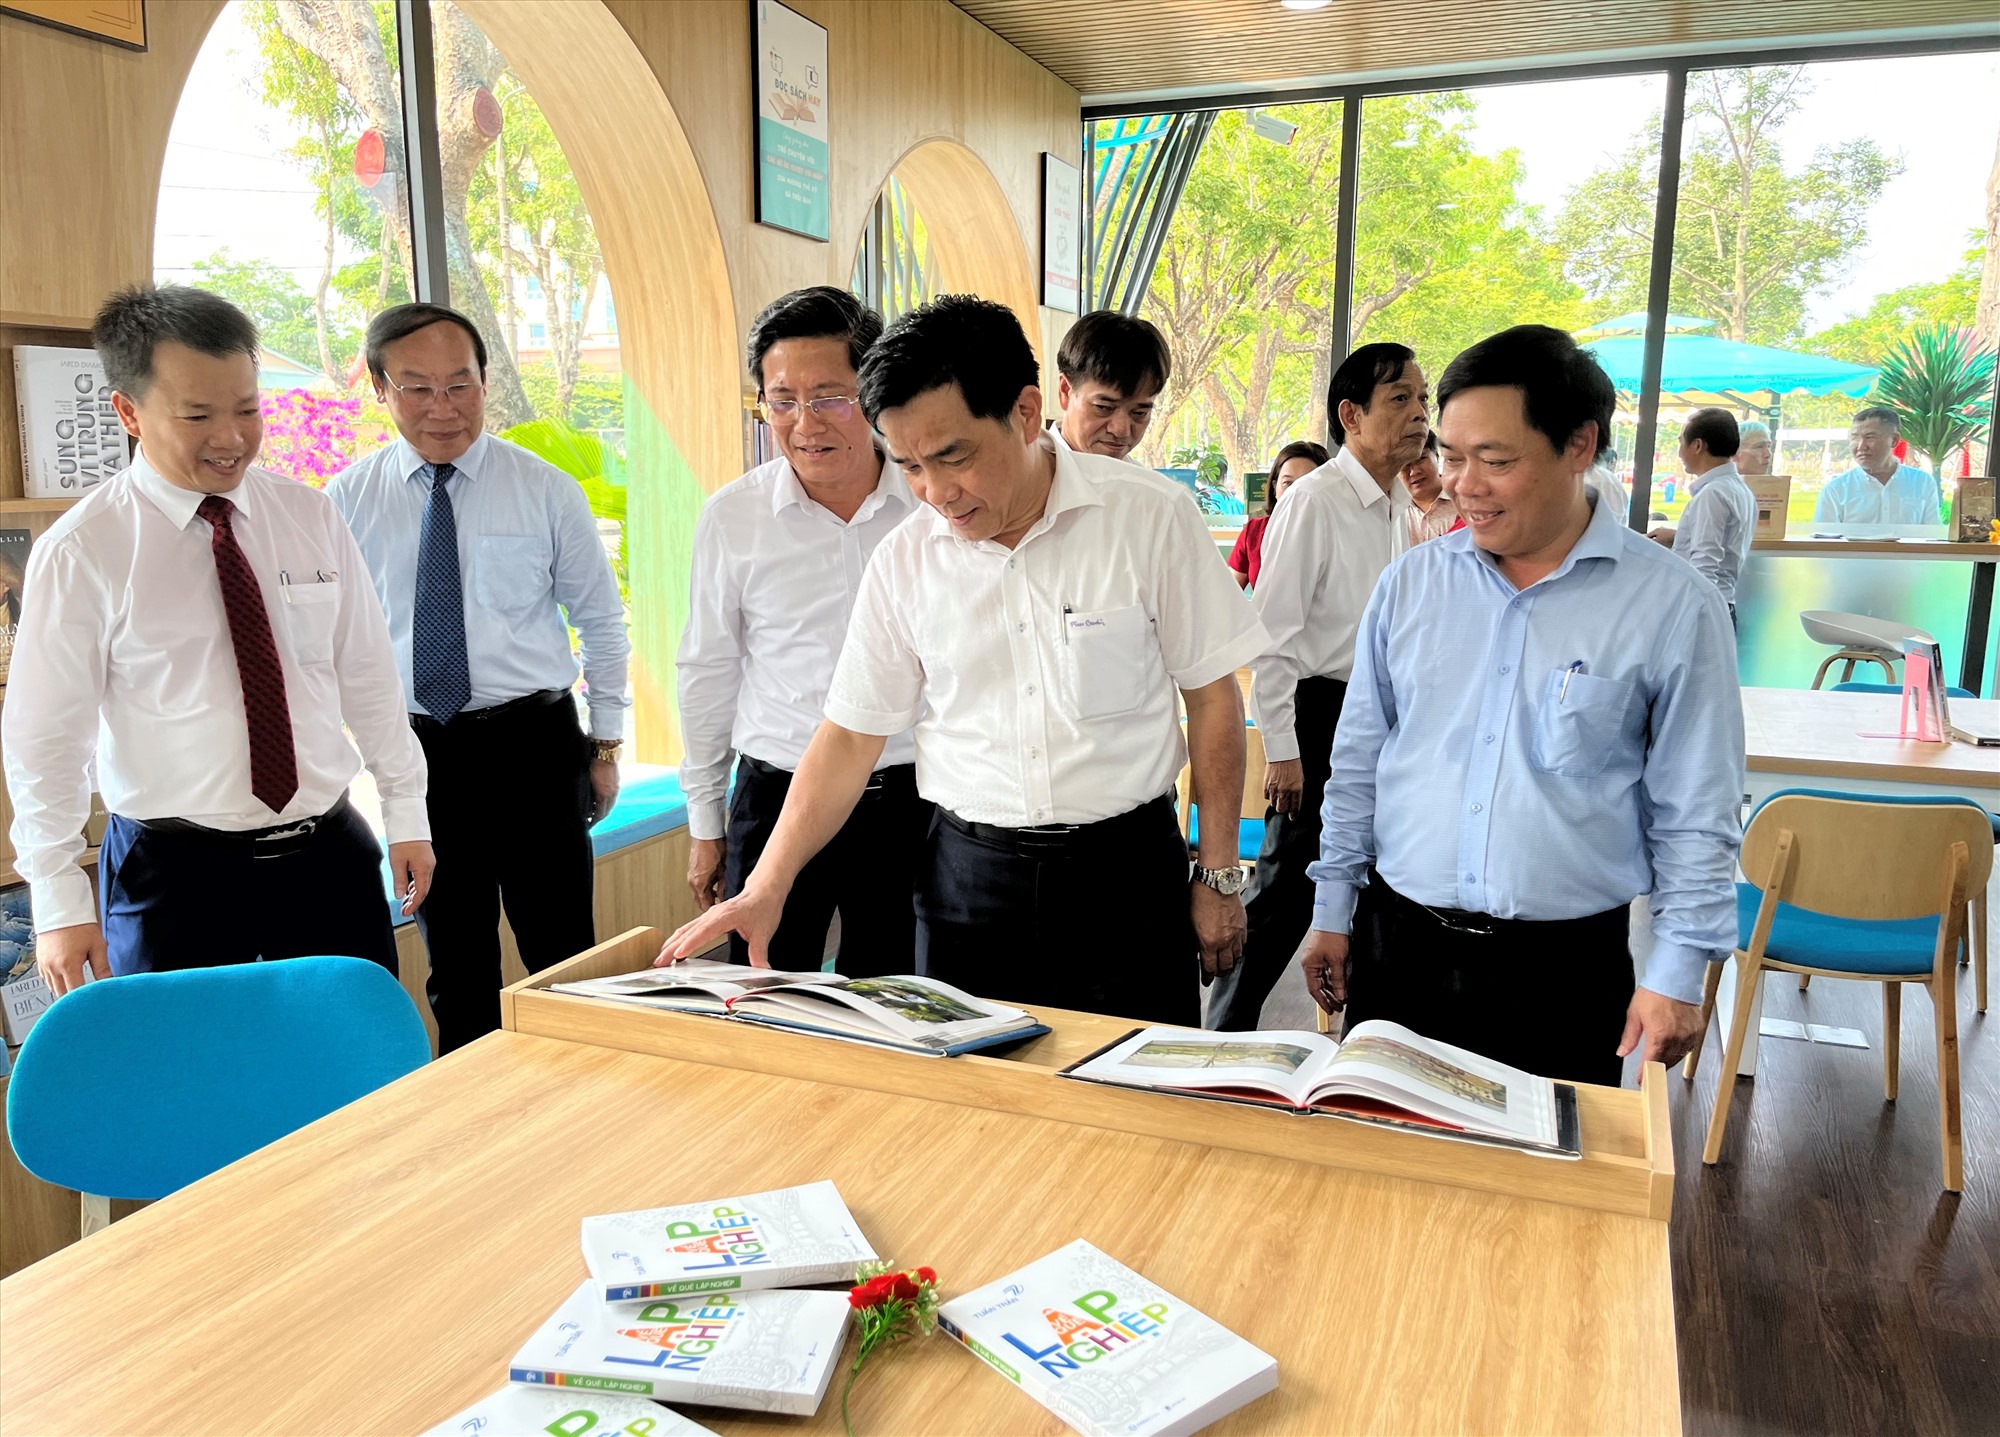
[915, 1015]
[1382, 1073]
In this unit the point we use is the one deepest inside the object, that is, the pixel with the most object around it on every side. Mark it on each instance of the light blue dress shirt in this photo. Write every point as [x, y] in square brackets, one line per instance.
[528, 552]
[1911, 496]
[1544, 753]
[1715, 528]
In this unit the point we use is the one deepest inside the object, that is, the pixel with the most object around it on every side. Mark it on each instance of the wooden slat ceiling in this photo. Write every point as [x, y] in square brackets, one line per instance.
[1114, 51]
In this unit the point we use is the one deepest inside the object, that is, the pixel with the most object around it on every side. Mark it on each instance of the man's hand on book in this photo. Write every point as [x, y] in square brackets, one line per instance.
[753, 914]
[706, 857]
[1220, 926]
[1668, 1026]
[1324, 959]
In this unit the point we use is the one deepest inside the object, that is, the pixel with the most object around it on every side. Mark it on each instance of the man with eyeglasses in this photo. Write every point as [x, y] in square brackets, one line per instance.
[485, 557]
[778, 559]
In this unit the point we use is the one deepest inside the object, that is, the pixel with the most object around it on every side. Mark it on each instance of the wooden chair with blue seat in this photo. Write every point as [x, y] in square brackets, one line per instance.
[135, 1087]
[1250, 815]
[1890, 910]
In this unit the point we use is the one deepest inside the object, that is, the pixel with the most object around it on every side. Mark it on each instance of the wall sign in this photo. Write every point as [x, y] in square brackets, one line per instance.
[122, 22]
[789, 63]
[1062, 233]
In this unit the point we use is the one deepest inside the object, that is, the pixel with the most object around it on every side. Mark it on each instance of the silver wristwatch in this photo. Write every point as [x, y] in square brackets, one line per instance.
[1227, 881]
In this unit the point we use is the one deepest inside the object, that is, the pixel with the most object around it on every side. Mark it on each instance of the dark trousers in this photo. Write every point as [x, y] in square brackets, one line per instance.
[1095, 920]
[866, 874]
[1549, 998]
[179, 897]
[1278, 904]
[510, 821]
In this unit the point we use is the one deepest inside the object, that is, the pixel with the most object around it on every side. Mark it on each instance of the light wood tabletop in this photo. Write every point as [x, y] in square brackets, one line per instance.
[1881, 549]
[374, 1272]
[1819, 733]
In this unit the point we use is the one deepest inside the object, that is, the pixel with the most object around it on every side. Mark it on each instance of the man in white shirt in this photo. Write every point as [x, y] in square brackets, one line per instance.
[1880, 488]
[1721, 514]
[1330, 539]
[1036, 628]
[205, 628]
[1111, 368]
[778, 559]
[480, 551]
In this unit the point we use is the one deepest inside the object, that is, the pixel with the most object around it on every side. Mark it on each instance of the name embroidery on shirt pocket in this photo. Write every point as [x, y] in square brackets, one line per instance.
[1104, 660]
[1576, 733]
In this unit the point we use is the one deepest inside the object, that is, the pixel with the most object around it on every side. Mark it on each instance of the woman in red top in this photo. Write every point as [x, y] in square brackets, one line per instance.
[1294, 461]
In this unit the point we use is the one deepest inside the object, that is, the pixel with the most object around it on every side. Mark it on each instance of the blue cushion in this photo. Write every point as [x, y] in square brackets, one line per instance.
[649, 804]
[1249, 835]
[1851, 945]
[1991, 817]
[1951, 691]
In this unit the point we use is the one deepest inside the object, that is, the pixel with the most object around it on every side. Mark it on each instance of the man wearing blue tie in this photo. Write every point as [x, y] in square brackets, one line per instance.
[479, 550]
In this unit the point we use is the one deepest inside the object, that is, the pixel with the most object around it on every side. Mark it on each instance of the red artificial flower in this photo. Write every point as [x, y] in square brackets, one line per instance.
[927, 1275]
[903, 1288]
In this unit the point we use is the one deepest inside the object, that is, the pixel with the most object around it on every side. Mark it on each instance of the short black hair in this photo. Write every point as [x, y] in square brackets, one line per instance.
[139, 318]
[817, 312]
[1717, 431]
[1119, 350]
[400, 321]
[1359, 373]
[1882, 412]
[955, 339]
[1562, 385]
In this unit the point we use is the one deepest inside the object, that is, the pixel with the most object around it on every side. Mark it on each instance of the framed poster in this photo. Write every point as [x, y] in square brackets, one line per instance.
[788, 61]
[1062, 234]
[122, 22]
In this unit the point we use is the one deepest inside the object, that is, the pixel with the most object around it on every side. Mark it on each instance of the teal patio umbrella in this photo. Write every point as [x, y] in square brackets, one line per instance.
[1701, 368]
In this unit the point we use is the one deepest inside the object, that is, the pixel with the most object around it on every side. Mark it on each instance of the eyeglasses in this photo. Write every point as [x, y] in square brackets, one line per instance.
[837, 407]
[425, 395]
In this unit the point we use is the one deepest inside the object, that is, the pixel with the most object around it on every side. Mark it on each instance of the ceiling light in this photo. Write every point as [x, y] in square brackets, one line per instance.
[1304, 5]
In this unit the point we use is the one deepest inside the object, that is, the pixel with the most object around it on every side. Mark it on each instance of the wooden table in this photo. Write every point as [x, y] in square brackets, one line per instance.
[1979, 600]
[1812, 739]
[374, 1272]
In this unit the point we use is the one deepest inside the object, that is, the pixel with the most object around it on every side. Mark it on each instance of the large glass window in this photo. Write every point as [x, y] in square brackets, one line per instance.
[894, 270]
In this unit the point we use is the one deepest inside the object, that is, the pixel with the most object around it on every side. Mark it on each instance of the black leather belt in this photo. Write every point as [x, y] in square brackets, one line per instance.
[876, 780]
[545, 698]
[273, 842]
[1065, 837]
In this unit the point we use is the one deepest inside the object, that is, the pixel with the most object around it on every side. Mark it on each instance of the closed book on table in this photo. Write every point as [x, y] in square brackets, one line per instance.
[1106, 1350]
[794, 1237]
[71, 437]
[517, 1410]
[760, 1351]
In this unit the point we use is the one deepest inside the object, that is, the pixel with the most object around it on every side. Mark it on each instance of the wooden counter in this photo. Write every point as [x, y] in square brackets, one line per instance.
[1817, 734]
[374, 1272]
[1882, 548]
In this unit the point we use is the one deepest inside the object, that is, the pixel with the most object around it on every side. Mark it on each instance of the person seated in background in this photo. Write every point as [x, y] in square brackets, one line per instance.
[1506, 782]
[778, 559]
[1602, 479]
[1111, 370]
[1431, 515]
[1880, 488]
[1721, 515]
[206, 629]
[1041, 627]
[1296, 460]
[1753, 458]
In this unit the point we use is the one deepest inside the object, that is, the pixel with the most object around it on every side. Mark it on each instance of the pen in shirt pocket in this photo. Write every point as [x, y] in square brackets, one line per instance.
[1575, 668]
[1067, 611]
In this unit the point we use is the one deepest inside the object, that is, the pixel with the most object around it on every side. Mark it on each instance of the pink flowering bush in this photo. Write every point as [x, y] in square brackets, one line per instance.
[310, 436]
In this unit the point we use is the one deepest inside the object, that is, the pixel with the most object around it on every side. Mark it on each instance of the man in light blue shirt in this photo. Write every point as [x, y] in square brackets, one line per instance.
[1715, 528]
[1880, 488]
[484, 557]
[1543, 723]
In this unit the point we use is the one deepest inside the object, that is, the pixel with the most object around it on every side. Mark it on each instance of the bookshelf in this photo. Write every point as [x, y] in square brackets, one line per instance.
[17, 328]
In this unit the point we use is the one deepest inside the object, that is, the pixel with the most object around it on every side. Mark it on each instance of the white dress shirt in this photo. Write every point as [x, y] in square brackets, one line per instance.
[528, 552]
[124, 649]
[1910, 496]
[1333, 534]
[1041, 679]
[1716, 527]
[1608, 486]
[774, 581]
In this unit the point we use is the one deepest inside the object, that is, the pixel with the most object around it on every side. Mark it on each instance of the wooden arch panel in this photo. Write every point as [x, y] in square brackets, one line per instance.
[973, 231]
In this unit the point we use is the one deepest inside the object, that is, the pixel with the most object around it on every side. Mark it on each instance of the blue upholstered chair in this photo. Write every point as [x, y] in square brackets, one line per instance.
[134, 1087]
[1890, 910]
[1250, 814]
[1950, 691]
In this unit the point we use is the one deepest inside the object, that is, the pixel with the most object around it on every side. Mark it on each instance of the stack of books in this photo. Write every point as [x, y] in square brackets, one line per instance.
[699, 1303]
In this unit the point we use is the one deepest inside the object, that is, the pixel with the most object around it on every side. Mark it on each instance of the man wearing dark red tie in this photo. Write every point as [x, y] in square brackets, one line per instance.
[206, 629]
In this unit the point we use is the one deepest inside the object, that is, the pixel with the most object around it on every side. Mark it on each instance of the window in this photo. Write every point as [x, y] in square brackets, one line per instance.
[893, 269]
[282, 190]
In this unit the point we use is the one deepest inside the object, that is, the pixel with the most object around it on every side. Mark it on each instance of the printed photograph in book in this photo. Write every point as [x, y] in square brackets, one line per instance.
[920, 1003]
[1430, 1069]
[1279, 1057]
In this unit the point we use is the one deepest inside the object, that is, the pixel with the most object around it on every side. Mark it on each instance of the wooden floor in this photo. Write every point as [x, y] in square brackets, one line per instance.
[1824, 1282]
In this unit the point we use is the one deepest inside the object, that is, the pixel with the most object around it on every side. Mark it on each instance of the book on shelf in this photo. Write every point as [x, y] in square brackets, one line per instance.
[793, 1237]
[71, 437]
[14, 546]
[518, 1410]
[770, 1351]
[1107, 1351]
[1380, 1073]
[915, 1015]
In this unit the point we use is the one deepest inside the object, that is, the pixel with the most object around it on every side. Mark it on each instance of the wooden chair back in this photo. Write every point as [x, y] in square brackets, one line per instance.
[1253, 779]
[1853, 859]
